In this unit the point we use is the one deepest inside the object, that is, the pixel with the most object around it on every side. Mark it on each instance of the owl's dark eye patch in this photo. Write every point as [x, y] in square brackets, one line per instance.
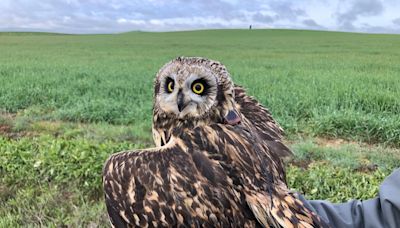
[200, 87]
[169, 85]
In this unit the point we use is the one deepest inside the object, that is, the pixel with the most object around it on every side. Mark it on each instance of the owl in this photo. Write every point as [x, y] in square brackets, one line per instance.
[217, 160]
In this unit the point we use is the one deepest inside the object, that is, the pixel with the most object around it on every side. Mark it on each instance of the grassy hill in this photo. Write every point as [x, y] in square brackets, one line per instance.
[68, 101]
[325, 83]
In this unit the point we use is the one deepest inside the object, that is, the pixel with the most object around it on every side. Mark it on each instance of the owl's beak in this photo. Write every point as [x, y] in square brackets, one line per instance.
[181, 101]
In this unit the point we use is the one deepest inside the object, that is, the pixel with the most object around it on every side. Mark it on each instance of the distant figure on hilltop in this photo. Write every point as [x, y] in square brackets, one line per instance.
[250, 27]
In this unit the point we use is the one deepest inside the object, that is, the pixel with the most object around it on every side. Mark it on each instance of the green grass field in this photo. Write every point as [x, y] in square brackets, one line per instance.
[68, 101]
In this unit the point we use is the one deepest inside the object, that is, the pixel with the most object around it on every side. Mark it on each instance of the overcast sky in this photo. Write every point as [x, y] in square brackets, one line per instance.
[110, 16]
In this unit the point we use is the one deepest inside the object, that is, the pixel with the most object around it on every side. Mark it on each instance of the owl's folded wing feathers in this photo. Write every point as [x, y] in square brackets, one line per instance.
[281, 209]
[181, 183]
[259, 116]
[165, 186]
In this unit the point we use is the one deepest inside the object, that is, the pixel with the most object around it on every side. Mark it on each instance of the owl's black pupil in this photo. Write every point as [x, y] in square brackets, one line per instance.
[197, 87]
[169, 85]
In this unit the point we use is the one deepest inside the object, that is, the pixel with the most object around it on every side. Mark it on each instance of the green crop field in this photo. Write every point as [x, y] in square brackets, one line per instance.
[68, 101]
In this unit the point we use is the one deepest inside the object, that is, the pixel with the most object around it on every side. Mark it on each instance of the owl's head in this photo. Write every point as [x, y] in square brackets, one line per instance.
[190, 88]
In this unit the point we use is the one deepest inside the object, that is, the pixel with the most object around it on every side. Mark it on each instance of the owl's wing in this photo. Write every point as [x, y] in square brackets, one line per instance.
[165, 185]
[127, 177]
[198, 179]
[259, 116]
[281, 208]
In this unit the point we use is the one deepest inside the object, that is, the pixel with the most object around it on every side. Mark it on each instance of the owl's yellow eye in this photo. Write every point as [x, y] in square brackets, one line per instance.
[170, 86]
[198, 88]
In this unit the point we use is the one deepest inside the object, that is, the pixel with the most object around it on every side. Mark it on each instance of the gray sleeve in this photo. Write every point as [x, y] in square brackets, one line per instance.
[382, 211]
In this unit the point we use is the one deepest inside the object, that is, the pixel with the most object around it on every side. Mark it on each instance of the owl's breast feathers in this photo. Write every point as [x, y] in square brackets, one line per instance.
[212, 176]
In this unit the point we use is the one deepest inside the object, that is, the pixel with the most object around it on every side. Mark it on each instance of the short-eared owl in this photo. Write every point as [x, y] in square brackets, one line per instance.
[217, 162]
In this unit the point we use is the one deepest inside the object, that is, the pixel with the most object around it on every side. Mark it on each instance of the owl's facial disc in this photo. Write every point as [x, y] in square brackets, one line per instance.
[187, 95]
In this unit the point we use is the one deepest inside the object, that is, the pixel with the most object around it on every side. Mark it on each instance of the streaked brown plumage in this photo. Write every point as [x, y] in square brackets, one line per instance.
[208, 170]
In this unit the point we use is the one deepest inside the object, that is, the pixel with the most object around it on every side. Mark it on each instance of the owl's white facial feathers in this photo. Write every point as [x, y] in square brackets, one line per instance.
[194, 105]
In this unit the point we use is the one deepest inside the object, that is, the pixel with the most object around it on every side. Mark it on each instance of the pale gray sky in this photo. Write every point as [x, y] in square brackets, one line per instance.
[110, 16]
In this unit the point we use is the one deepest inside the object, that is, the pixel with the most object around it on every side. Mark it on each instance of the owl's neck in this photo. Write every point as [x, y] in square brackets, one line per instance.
[169, 122]
[164, 126]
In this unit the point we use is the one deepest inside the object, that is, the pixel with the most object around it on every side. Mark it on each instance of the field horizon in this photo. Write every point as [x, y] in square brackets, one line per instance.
[194, 30]
[68, 101]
